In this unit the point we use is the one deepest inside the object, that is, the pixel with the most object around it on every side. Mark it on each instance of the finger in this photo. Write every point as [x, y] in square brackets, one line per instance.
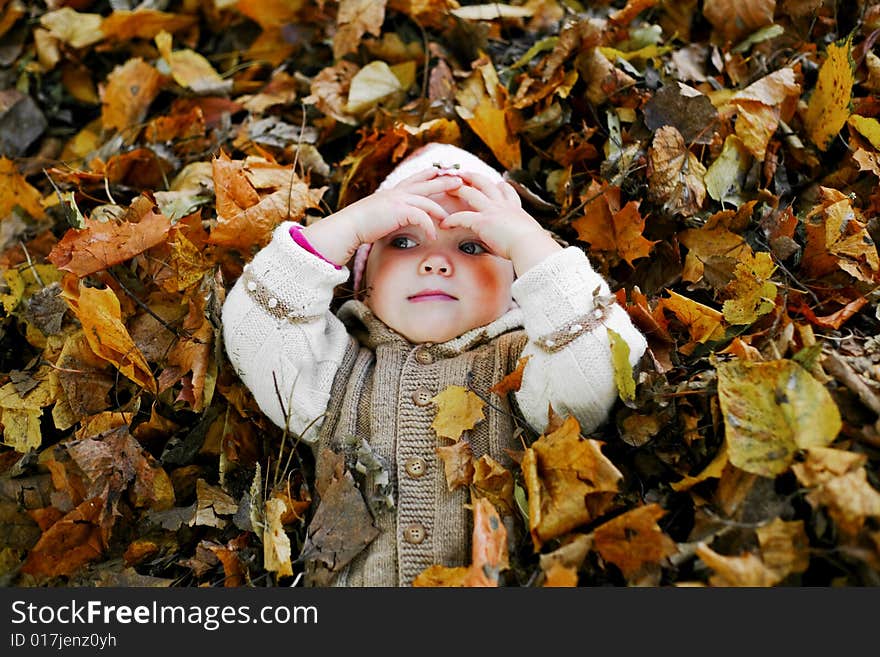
[462, 219]
[483, 183]
[474, 197]
[509, 193]
[437, 185]
[430, 207]
[420, 176]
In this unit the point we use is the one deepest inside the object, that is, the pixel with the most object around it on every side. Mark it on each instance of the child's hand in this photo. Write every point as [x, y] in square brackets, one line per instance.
[499, 219]
[338, 235]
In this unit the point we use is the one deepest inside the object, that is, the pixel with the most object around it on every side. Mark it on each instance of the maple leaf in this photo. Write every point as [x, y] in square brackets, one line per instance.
[704, 324]
[633, 539]
[458, 410]
[829, 104]
[609, 228]
[458, 464]
[511, 382]
[569, 482]
[751, 293]
[494, 482]
[354, 19]
[771, 410]
[101, 245]
[675, 175]
[838, 481]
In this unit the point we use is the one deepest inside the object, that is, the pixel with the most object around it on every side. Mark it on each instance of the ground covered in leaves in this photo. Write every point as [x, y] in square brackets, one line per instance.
[719, 159]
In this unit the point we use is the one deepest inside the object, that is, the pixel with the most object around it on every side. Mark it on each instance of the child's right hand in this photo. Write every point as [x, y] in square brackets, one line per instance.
[371, 218]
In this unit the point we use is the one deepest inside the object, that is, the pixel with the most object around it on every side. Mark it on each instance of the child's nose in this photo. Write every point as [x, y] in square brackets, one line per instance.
[436, 263]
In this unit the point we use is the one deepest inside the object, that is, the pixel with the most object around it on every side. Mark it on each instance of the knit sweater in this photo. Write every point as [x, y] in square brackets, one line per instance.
[349, 375]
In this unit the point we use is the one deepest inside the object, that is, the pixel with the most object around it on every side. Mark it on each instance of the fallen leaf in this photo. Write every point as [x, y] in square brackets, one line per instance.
[494, 482]
[771, 410]
[212, 502]
[745, 570]
[458, 464]
[354, 19]
[675, 175]
[511, 382]
[751, 294]
[276, 543]
[785, 547]
[623, 371]
[569, 482]
[69, 544]
[74, 28]
[190, 69]
[17, 192]
[126, 97]
[734, 19]
[488, 546]
[458, 410]
[829, 104]
[633, 539]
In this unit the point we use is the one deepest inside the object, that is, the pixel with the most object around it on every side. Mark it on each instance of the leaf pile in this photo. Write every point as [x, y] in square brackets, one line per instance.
[718, 159]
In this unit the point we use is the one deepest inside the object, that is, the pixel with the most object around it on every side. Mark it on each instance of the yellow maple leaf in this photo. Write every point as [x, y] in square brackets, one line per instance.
[15, 190]
[829, 105]
[703, 323]
[751, 292]
[458, 410]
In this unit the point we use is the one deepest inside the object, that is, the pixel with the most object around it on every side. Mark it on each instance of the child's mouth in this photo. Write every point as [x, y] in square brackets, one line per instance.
[432, 295]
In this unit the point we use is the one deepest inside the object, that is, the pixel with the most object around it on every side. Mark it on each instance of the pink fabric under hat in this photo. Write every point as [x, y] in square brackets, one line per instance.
[448, 157]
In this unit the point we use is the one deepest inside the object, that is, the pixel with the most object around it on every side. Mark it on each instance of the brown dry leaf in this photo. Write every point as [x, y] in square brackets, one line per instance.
[81, 380]
[494, 482]
[193, 355]
[633, 539]
[342, 526]
[785, 547]
[103, 244]
[276, 543]
[829, 104]
[212, 502]
[127, 95]
[759, 108]
[675, 175]
[125, 25]
[354, 19]
[771, 410]
[512, 381]
[568, 480]
[99, 312]
[712, 243]
[329, 91]
[233, 568]
[70, 543]
[442, 576]
[458, 464]
[482, 102]
[16, 191]
[837, 237]
[735, 19]
[458, 410]
[838, 481]
[746, 570]
[245, 218]
[618, 231]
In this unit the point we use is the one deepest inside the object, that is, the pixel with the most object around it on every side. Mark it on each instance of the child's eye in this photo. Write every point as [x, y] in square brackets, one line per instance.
[403, 242]
[472, 248]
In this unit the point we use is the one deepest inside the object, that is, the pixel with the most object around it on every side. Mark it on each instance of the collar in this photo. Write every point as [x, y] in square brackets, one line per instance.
[372, 332]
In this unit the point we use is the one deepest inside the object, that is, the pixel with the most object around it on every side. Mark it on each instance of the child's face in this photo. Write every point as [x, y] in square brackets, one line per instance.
[436, 290]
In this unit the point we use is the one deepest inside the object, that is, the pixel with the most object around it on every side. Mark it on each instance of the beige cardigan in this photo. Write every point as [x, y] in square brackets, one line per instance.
[375, 385]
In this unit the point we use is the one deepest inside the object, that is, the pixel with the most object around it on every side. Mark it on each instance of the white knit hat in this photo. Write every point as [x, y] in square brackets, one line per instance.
[446, 156]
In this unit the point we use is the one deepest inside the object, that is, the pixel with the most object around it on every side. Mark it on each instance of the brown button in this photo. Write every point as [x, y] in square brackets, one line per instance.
[414, 534]
[422, 396]
[415, 467]
[423, 356]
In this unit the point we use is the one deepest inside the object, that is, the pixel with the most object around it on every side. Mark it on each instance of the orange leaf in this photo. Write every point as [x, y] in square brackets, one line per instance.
[354, 19]
[512, 381]
[100, 314]
[488, 546]
[703, 323]
[103, 244]
[675, 175]
[124, 25]
[494, 482]
[569, 482]
[633, 539]
[127, 95]
[68, 544]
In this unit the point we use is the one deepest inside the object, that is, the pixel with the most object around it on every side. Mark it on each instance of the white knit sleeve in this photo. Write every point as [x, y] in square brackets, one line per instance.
[567, 309]
[280, 335]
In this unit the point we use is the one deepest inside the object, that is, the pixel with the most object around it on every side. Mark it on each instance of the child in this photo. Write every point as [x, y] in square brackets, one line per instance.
[458, 283]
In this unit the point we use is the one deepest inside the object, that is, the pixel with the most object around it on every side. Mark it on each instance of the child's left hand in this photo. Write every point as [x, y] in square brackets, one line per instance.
[500, 221]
